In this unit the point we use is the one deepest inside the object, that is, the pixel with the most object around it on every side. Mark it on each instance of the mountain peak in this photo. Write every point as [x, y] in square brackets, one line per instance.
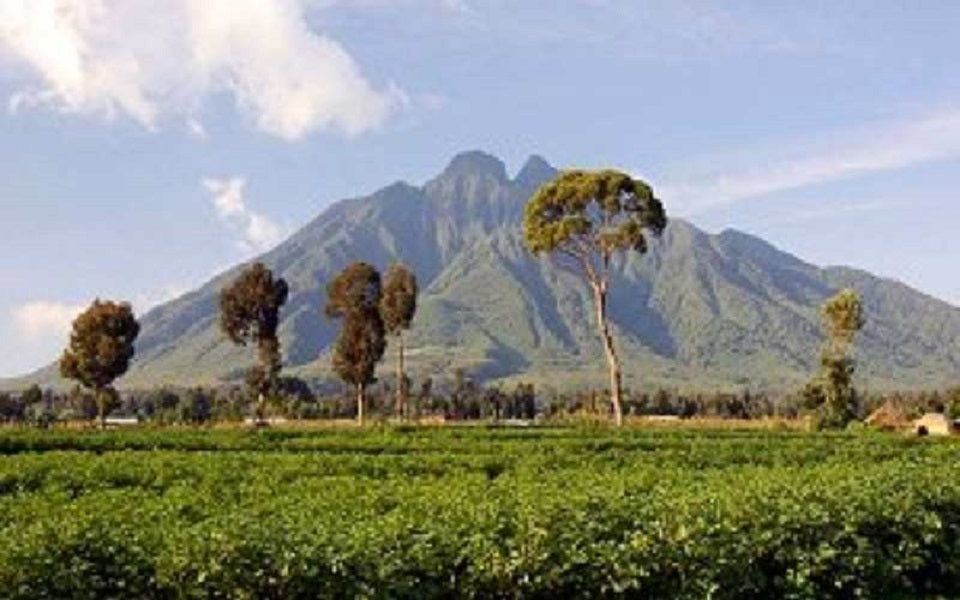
[535, 172]
[475, 163]
[700, 310]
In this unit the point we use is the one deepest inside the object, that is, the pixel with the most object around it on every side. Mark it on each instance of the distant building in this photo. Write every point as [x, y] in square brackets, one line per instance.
[121, 421]
[266, 421]
[934, 424]
[889, 417]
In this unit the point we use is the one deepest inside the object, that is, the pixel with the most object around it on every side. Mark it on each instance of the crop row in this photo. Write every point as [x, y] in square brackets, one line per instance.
[483, 514]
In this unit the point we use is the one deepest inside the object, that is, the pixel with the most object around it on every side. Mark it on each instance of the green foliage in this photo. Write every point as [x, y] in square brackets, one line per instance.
[832, 394]
[100, 349]
[600, 212]
[398, 304]
[358, 349]
[475, 512]
[32, 395]
[397, 308]
[843, 316]
[35, 407]
[12, 410]
[953, 403]
[584, 218]
[101, 344]
[355, 291]
[249, 312]
[196, 406]
[354, 296]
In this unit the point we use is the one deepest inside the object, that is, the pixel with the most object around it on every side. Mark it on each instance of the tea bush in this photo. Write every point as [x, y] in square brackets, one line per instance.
[477, 513]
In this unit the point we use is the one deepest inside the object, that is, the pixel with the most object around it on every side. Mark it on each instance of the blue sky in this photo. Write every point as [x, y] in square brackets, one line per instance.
[147, 144]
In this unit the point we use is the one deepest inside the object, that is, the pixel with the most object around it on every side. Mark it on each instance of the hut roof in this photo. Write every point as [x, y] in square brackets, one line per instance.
[888, 416]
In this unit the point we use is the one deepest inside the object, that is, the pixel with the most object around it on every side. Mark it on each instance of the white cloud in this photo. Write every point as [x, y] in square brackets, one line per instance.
[41, 320]
[150, 59]
[257, 232]
[828, 211]
[880, 148]
[40, 329]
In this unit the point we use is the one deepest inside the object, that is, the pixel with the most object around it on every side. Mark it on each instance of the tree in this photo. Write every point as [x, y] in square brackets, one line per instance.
[33, 395]
[249, 313]
[12, 409]
[524, 398]
[584, 219]
[354, 297]
[195, 406]
[299, 401]
[832, 393]
[953, 403]
[425, 398]
[83, 403]
[38, 406]
[397, 308]
[100, 349]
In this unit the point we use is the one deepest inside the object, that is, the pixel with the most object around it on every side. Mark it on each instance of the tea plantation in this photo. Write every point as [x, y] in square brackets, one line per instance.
[472, 512]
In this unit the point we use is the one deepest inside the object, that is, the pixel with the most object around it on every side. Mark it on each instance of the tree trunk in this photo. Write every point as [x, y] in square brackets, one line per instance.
[616, 380]
[101, 409]
[360, 398]
[401, 379]
[261, 410]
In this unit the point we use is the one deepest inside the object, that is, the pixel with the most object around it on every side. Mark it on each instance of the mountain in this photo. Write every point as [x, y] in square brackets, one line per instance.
[698, 311]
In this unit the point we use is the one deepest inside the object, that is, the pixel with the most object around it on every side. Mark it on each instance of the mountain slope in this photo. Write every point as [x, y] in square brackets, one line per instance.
[697, 311]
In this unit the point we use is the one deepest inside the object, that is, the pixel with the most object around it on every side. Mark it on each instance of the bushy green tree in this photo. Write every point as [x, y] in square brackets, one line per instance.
[585, 219]
[424, 397]
[100, 349]
[162, 404]
[354, 297]
[398, 305]
[524, 402]
[952, 403]
[299, 401]
[832, 394]
[32, 395]
[196, 406]
[229, 404]
[250, 313]
[82, 402]
[38, 406]
[12, 410]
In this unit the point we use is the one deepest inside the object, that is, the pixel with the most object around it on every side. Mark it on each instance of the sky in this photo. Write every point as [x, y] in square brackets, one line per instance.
[145, 145]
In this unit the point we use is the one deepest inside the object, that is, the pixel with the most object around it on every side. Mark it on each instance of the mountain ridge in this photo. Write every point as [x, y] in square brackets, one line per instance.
[699, 311]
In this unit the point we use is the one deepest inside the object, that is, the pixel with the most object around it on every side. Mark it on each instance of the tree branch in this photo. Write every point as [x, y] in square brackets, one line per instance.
[576, 268]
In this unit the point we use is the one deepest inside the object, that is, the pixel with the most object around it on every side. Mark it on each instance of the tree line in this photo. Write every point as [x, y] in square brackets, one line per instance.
[585, 221]
[453, 398]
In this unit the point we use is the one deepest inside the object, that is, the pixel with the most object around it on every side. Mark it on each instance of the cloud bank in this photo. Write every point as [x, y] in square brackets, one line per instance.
[40, 320]
[41, 328]
[152, 60]
[883, 147]
[38, 330]
[257, 233]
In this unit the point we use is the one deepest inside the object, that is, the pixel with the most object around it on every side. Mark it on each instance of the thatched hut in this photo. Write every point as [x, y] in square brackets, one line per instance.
[933, 424]
[889, 417]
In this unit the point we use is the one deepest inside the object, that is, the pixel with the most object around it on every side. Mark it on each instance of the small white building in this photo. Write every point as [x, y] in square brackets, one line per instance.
[121, 421]
[934, 424]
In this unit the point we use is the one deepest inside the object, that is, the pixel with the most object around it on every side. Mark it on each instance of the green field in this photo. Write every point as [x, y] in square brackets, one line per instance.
[477, 512]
